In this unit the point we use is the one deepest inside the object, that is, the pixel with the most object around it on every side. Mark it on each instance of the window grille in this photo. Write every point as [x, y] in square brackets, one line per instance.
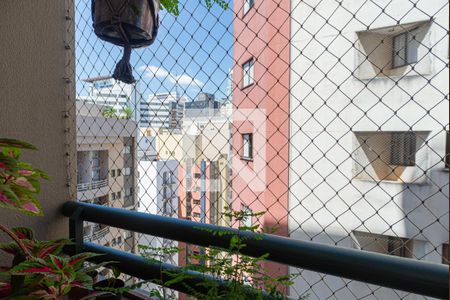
[403, 149]
[384, 244]
[405, 47]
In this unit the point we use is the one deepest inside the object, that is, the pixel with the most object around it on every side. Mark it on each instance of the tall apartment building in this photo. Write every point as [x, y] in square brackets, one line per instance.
[368, 142]
[158, 194]
[205, 105]
[164, 110]
[260, 133]
[353, 150]
[106, 170]
[106, 91]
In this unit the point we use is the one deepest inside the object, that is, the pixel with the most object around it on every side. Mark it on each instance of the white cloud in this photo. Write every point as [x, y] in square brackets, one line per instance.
[184, 79]
[152, 71]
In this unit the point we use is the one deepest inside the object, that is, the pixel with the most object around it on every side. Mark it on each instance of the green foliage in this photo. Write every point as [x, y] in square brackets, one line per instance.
[120, 290]
[172, 5]
[37, 248]
[109, 112]
[19, 181]
[52, 276]
[39, 270]
[127, 113]
[244, 276]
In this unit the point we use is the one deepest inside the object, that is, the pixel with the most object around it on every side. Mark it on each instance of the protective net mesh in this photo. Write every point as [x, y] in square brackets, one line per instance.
[331, 117]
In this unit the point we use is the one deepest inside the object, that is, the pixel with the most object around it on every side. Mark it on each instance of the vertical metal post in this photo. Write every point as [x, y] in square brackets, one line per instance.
[76, 231]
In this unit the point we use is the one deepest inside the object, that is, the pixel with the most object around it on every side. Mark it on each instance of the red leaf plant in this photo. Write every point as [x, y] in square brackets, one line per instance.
[39, 270]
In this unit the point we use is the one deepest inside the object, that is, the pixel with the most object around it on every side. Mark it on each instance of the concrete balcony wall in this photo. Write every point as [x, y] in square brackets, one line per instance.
[37, 93]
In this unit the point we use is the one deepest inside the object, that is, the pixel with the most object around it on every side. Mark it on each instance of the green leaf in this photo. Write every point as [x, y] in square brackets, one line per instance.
[10, 248]
[78, 259]
[116, 271]
[23, 232]
[13, 143]
[31, 267]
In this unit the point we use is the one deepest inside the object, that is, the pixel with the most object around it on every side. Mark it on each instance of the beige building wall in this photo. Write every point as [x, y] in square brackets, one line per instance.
[36, 94]
[96, 133]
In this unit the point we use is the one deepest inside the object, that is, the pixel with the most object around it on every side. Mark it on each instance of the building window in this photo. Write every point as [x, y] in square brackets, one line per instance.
[196, 215]
[404, 47]
[445, 257]
[248, 4]
[379, 155]
[383, 244]
[95, 164]
[113, 173]
[246, 217]
[127, 150]
[127, 171]
[447, 151]
[113, 196]
[118, 195]
[129, 192]
[119, 172]
[247, 73]
[196, 201]
[403, 149]
[247, 146]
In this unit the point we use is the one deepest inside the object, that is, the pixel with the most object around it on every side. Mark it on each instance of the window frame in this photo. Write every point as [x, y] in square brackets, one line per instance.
[127, 171]
[250, 146]
[248, 5]
[445, 255]
[408, 141]
[127, 149]
[447, 151]
[409, 36]
[247, 220]
[251, 63]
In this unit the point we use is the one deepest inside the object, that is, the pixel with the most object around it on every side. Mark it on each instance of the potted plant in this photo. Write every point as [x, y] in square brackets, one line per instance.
[38, 269]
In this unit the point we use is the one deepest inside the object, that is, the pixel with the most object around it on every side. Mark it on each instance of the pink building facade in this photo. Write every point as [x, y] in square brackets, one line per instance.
[260, 135]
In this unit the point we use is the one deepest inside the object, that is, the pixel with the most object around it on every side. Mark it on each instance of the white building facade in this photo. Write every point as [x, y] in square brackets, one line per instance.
[158, 194]
[164, 110]
[108, 92]
[106, 171]
[369, 126]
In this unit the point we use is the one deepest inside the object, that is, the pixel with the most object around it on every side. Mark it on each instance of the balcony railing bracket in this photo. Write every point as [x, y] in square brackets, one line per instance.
[76, 230]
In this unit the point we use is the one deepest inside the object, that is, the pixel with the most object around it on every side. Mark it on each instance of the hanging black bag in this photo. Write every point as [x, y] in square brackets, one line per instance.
[126, 23]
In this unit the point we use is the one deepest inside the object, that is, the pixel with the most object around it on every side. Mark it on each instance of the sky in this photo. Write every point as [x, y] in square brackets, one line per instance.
[191, 53]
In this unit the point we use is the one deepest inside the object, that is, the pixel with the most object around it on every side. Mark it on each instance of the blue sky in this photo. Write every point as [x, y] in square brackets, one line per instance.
[192, 52]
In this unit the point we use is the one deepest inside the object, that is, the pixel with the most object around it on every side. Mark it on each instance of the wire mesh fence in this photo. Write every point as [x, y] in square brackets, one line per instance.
[331, 117]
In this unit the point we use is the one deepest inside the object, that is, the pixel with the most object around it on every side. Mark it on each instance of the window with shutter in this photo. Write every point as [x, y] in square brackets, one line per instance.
[403, 149]
[405, 47]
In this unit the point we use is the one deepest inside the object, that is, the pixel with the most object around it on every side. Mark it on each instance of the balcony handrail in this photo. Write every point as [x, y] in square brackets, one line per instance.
[405, 274]
[137, 266]
[81, 187]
